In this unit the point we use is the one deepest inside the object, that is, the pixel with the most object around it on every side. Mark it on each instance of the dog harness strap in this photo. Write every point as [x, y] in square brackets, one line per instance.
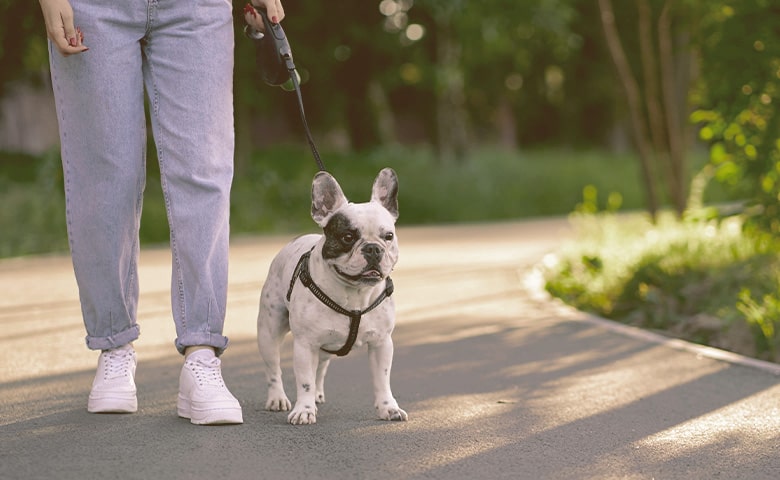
[354, 325]
[302, 272]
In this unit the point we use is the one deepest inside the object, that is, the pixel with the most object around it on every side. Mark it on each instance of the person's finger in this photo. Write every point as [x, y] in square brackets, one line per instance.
[272, 8]
[71, 34]
[75, 43]
[65, 37]
[253, 19]
[60, 43]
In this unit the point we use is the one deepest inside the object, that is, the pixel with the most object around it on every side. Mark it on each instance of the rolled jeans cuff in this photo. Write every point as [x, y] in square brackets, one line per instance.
[217, 341]
[106, 343]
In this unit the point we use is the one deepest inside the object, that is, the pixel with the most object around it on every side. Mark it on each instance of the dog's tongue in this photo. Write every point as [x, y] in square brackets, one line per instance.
[372, 274]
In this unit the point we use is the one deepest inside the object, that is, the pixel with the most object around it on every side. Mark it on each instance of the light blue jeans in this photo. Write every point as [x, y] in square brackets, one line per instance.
[181, 53]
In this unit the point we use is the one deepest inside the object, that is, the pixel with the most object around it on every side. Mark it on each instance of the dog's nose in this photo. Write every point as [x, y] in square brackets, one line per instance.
[373, 252]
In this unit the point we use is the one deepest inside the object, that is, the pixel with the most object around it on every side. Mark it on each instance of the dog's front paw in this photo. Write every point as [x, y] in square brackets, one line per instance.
[278, 403]
[303, 415]
[391, 411]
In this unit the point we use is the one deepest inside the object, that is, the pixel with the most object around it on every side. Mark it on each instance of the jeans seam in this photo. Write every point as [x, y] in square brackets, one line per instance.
[159, 140]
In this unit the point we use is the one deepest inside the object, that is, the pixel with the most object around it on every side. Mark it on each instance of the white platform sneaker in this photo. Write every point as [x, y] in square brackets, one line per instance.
[113, 389]
[203, 396]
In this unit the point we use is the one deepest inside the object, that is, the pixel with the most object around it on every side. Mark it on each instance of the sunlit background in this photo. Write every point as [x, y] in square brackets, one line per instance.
[649, 126]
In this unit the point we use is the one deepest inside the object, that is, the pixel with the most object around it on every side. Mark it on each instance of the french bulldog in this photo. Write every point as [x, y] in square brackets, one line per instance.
[333, 292]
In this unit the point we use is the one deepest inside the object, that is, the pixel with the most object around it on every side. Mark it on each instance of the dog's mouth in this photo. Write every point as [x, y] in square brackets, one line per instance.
[371, 274]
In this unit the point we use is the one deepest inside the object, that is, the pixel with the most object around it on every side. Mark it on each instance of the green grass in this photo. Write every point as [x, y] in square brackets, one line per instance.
[705, 281]
[32, 217]
[271, 190]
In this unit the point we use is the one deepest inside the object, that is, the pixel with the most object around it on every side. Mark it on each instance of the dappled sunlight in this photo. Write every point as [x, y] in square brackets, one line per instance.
[460, 334]
[736, 424]
[576, 361]
[444, 416]
[491, 304]
[734, 438]
[460, 410]
[496, 382]
[615, 385]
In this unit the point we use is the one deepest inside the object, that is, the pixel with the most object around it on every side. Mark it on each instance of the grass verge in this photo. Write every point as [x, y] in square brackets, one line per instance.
[704, 281]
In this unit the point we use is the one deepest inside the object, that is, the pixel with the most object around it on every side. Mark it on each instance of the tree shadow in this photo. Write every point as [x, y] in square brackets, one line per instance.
[539, 397]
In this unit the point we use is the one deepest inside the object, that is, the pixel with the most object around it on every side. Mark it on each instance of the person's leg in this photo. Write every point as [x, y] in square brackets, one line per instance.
[188, 72]
[99, 100]
[188, 69]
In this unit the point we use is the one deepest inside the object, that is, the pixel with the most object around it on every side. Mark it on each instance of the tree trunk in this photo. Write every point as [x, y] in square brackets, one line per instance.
[633, 97]
[672, 106]
[652, 95]
[383, 113]
[452, 123]
[354, 77]
[507, 124]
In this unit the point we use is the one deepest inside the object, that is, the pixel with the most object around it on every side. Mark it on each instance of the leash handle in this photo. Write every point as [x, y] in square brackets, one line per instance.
[274, 55]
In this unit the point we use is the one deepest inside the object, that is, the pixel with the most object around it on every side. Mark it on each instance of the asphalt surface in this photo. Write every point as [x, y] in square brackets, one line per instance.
[499, 381]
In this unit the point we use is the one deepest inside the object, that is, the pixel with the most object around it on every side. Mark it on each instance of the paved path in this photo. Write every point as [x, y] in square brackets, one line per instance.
[499, 382]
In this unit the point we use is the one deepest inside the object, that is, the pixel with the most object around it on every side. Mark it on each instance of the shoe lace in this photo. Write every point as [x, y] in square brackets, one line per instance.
[208, 372]
[117, 363]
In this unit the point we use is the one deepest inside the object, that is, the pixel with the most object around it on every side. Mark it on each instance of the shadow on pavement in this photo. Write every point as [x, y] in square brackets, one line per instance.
[511, 399]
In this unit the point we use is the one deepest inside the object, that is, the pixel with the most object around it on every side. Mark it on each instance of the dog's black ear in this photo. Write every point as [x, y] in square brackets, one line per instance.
[385, 191]
[326, 198]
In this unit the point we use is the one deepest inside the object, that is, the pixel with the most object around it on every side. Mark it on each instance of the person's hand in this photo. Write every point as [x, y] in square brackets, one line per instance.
[66, 37]
[273, 8]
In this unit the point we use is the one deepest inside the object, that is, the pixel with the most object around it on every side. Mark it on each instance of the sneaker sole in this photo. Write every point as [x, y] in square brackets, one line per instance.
[112, 404]
[211, 416]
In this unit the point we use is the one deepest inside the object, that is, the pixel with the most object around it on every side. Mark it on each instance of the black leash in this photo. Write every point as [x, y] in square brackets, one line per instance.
[302, 272]
[275, 61]
[294, 78]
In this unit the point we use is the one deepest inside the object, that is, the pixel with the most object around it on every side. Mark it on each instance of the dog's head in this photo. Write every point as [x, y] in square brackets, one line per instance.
[360, 244]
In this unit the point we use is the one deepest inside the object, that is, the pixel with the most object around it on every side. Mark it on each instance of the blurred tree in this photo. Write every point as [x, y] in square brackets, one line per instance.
[451, 73]
[658, 103]
[739, 93]
[23, 46]
[519, 73]
[344, 56]
[507, 71]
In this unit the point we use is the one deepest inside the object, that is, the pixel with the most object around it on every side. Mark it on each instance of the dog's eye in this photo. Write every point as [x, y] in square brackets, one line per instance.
[348, 238]
[389, 236]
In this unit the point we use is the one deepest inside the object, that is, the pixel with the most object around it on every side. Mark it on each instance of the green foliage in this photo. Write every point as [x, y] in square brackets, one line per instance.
[696, 280]
[739, 94]
[537, 60]
[32, 219]
[764, 316]
[488, 185]
[542, 58]
[590, 201]
[23, 47]
[272, 192]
